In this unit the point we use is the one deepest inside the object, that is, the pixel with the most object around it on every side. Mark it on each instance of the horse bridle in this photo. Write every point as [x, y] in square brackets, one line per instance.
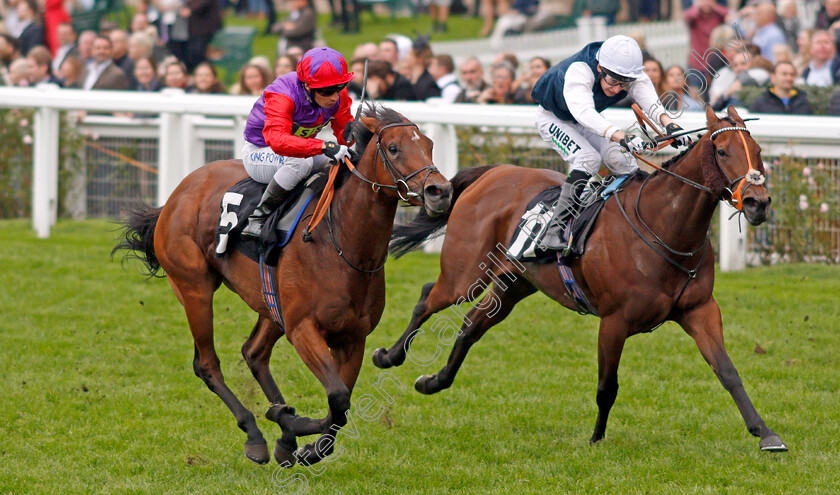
[400, 186]
[739, 186]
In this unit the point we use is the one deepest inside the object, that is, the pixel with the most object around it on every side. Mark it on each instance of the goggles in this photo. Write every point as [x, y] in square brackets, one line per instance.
[330, 90]
[615, 80]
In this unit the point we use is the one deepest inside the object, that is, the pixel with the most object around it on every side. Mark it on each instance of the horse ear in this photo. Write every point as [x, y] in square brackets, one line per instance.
[734, 115]
[710, 116]
[371, 123]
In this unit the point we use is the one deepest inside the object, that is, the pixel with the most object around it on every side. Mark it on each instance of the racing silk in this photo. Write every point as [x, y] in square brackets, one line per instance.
[572, 91]
[287, 119]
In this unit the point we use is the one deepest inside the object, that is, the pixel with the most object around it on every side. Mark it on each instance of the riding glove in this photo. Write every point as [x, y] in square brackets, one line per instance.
[632, 143]
[683, 140]
[347, 134]
[335, 152]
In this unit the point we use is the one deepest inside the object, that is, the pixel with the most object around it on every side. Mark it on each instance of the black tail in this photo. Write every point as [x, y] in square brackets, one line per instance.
[138, 238]
[407, 238]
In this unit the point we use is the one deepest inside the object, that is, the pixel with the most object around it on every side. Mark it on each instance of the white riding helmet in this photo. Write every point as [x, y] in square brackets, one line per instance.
[622, 56]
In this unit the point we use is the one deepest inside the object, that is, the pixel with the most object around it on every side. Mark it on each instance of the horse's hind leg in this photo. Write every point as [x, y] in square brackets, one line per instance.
[197, 298]
[494, 307]
[395, 355]
[704, 325]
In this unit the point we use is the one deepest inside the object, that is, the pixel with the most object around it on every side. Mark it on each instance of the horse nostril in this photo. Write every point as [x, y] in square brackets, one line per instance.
[433, 191]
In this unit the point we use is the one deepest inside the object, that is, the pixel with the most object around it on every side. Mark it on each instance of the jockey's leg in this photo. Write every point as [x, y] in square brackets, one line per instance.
[282, 175]
[570, 141]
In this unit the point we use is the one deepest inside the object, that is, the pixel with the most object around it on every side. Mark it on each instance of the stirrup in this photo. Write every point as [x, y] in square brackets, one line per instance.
[254, 227]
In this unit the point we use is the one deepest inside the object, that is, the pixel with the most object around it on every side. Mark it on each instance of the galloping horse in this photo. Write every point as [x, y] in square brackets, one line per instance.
[331, 290]
[648, 259]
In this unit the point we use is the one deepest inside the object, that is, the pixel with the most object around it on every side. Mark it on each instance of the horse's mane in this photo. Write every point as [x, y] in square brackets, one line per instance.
[712, 175]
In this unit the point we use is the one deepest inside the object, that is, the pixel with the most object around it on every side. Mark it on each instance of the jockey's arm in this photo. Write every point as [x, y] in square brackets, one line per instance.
[277, 130]
[644, 94]
[577, 92]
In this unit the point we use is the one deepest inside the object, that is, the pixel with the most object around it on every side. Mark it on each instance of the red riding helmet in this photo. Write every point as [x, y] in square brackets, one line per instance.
[323, 67]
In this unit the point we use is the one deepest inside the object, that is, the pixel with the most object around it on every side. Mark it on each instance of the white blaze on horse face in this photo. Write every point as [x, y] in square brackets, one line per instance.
[416, 137]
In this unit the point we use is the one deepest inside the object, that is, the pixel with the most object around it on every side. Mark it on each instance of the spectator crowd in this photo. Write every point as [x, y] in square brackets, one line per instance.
[780, 50]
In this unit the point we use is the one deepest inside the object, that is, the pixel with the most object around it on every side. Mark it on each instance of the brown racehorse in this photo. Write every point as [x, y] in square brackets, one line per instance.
[331, 290]
[638, 269]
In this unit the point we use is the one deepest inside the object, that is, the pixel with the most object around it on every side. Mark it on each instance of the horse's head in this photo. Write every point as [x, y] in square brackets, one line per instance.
[402, 156]
[732, 166]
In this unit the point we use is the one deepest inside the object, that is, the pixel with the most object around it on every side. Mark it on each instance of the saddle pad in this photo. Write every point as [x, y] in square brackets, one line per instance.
[239, 202]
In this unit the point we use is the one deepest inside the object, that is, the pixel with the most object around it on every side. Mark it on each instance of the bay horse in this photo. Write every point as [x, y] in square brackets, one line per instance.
[331, 289]
[647, 261]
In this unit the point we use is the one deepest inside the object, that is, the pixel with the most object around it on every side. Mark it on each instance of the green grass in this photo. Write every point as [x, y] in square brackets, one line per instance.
[98, 393]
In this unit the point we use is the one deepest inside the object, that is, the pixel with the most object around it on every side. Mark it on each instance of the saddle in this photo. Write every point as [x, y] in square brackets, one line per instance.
[525, 244]
[239, 202]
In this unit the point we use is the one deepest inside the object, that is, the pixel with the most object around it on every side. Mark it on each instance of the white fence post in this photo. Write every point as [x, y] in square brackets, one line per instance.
[172, 151]
[733, 241]
[445, 157]
[45, 168]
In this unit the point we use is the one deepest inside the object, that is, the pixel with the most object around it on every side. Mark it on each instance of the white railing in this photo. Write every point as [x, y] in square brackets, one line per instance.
[183, 126]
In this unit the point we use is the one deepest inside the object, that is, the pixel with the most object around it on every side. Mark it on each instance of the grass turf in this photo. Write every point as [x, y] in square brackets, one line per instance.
[99, 394]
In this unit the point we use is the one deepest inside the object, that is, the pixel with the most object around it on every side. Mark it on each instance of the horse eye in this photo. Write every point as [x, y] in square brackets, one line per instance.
[392, 149]
[721, 153]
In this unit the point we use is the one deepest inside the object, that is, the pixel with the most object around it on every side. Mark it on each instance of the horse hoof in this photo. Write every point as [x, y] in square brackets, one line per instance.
[380, 358]
[772, 443]
[422, 384]
[257, 453]
[285, 458]
[307, 455]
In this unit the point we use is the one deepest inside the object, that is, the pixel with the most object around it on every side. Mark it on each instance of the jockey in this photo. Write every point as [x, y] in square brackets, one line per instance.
[281, 148]
[572, 95]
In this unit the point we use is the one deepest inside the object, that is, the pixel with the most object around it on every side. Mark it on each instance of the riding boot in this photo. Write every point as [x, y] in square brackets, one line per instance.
[567, 207]
[271, 199]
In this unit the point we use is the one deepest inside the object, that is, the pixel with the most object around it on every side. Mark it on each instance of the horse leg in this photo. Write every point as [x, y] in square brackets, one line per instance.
[494, 307]
[314, 352]
[705, 326]
[198, 304]
[395, 355]
[611, 338]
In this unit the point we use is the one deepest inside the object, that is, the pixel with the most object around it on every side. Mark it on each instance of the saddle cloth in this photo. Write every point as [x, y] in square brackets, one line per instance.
[527, 238]
[239, 202]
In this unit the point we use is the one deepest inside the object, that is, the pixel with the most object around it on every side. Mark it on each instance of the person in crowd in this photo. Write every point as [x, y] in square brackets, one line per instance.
[284, 64]
[298, 29]
[418, 61]
[119, 42]
[253, 79]
[85, 45]
[803, 54]
[702, 18]
[782, 53]
[489, 10]
[54, 15]
[656, 74]
[9, 50]
[389, 51]
[140, 45]
[603, 8]
[19, 72]
[281, 146]
[145, 75]
[789, 21]
[501, 90]
[70, 72]
[537, 66]
[509, 58]
[39, 66]
[767, 32]
[66, 36]
[295, 52]
[824, 68]
[730, 80]
[205, 19]
[368, 51]
[32, 33]
[572, 95]
[439, 12]
[680, 95]
[102, 73]
[8, 11]
[174, 26]
[384, 83]
[472, 80]
[442, 68]
[354, 87]
[176, 75]
[206, 80]
[828, 15]
[782, 96]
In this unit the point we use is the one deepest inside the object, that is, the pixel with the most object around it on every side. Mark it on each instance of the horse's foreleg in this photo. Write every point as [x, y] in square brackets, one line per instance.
[315, 353]
[611, 338]
[199, 309]
[494, 307]
[395, 355]
[705, 326]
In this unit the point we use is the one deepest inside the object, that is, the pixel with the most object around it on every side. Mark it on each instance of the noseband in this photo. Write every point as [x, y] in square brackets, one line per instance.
[400, 181]
[739, 186]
